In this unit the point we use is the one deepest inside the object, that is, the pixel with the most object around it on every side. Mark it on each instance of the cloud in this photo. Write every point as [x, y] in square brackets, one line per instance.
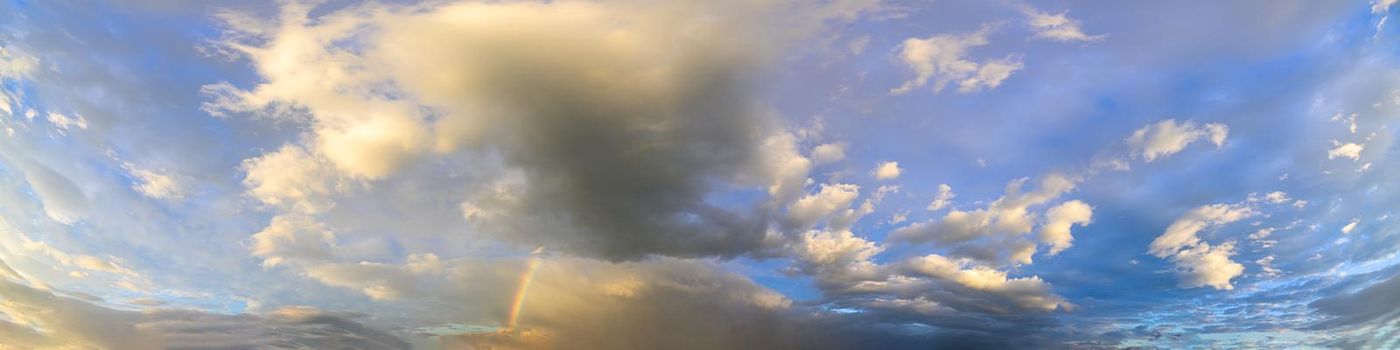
[943, 198]
[65, 123]
[886, 171]
[622, 117]
[805, 212]
[1058, 220]
[997, 226]
[1027, 292]
[1199, 263]
[157, 184]
[1169, 137]
[293, 237]
[1350, 226]
[942, 59]
[62, 200]
[32, 318]
[1350, 150]
[663, 303]
[838, 248]
[292, 178]
[828, 153]
[1055, 27]
[16, 64]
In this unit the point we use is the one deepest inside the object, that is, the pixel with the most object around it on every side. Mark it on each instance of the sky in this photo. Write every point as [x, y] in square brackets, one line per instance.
[724, 174]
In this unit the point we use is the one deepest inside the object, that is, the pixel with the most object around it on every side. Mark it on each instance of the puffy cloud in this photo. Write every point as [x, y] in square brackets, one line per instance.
[290, 177]
[784, 169]
[886, 171]
[1182, 232]
[997, 225]
[805, 212]
[1055, 230]
[622, 116]
[1206, 265]
[156, 184]
[942, 59]
[1199, 263]
[828, 153]
[835, 248]
[1056, 27]
[1027, 292]
[293, 237]
[1168, 137]
[1350, 150]
[1350, 226]
[943, 198]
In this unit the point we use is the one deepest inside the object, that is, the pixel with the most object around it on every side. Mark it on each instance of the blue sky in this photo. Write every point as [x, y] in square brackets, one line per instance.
[698, 175]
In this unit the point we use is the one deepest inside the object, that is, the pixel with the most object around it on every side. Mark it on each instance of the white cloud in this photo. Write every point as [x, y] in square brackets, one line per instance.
[942, 59]
[1000, 222]
[886, 171]
[290, 177]
[828, 153]
[1275, 197]
[1056, 229]
[293, 238]
[1168, 137]
[1199, 263]
[943, 198]
[1206, 265]
[16, 64]
[1056, 27]
[808, 210]
[1027, 292]
[156, 184]
[835, 248]
[64, 122]
[1350, 226]
[1348, 150]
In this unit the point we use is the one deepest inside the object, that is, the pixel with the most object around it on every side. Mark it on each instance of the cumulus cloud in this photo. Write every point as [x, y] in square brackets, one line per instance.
[622, 141]
[293, 237]
[1055, 26]
[1027, 292]
[943, 198]
[1199, 263]
[886, 171]
[1349, 150]
[1168, 137]
[156, 184]
[942, 59]
[293, 178]
[805, 212]
[828, 153]
[1058, 220]
[998, 226]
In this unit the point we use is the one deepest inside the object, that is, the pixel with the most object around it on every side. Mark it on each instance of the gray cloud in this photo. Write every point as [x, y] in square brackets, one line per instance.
[42, 318]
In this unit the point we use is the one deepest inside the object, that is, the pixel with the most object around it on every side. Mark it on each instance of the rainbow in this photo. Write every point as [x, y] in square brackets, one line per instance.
[520, 292]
